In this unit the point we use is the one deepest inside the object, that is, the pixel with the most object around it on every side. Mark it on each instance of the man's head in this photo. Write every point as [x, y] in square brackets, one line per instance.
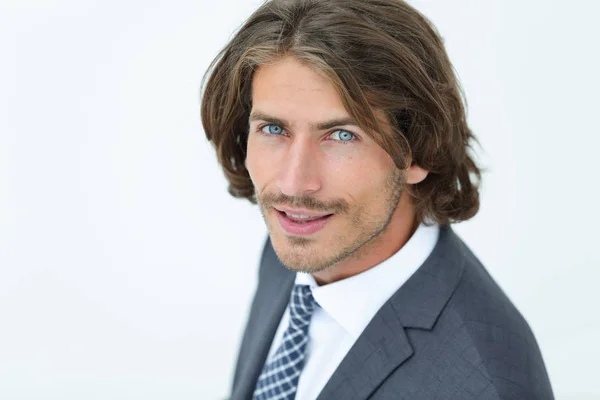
[347, 110]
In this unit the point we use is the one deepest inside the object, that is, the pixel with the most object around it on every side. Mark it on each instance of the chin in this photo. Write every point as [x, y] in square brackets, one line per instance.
[294, 252]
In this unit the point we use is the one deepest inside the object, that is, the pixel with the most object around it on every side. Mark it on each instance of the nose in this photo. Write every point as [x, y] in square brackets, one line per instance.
[299, 170]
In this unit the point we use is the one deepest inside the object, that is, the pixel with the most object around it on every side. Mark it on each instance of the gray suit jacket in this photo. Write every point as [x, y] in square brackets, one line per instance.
[449, 332]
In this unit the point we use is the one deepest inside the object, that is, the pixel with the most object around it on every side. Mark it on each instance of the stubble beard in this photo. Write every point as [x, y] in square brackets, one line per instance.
[301, 254]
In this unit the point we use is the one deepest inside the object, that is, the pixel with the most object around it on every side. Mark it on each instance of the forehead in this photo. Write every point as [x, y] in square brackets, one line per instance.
[292, 91]
[294, 88]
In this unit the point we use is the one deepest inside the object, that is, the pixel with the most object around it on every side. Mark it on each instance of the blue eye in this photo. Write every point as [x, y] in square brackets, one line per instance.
[344, 136]
[339, 135]
[272, 129]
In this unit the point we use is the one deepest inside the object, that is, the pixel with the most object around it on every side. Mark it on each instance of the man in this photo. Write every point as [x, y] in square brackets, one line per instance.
[344, 122]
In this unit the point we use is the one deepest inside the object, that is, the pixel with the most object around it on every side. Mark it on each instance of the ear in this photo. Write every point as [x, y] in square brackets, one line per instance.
[415, 174]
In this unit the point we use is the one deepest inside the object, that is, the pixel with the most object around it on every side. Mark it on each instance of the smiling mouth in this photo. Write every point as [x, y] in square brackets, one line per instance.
[302, 219]
[302, 225]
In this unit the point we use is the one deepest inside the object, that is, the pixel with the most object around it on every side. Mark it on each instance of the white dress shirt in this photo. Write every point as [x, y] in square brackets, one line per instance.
[347, 306]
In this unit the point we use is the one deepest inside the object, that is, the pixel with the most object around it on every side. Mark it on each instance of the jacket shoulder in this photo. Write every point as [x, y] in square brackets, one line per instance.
[500, 341]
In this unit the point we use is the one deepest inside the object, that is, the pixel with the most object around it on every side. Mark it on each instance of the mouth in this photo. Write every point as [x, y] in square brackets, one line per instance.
[303, 225]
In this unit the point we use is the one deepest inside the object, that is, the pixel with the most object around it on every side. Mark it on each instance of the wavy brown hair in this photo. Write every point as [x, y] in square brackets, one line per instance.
[378, 54]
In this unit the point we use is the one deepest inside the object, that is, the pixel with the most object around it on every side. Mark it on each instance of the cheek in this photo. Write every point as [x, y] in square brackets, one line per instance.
[363, 181]
[257, 162]
[350, 178]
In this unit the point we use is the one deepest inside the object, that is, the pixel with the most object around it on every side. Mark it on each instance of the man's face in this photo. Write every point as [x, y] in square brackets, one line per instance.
[336, 172]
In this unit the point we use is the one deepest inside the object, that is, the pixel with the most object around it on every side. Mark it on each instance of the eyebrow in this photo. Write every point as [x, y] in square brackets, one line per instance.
[259, 115]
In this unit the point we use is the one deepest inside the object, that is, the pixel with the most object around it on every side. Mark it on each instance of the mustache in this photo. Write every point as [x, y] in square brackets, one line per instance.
[309, 203]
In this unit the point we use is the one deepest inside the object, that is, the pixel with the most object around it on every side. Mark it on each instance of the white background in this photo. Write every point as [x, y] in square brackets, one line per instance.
[126, 269]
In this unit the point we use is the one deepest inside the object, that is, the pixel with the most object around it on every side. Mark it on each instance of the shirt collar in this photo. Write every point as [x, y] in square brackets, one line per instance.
[354, 301]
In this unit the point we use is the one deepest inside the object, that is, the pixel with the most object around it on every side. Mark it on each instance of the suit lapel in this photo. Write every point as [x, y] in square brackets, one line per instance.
[272, 298]
[384, 346]
[379, 350]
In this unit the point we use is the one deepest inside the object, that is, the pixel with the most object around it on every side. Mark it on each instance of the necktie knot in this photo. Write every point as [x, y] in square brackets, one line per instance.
[302, 304]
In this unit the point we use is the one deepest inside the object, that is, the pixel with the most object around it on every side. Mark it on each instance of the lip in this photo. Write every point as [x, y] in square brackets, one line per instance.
[301, 229]
[299, 211]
